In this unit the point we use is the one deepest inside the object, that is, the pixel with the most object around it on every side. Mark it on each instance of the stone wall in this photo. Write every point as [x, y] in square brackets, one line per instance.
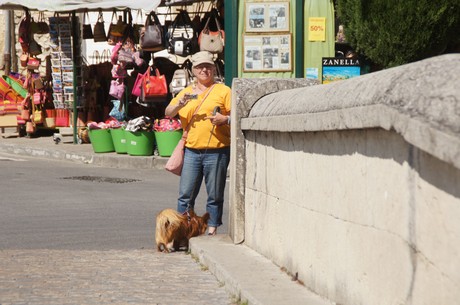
[354, 186]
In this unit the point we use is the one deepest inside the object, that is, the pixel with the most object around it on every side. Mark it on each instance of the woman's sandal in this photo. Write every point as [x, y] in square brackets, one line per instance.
[213, 232]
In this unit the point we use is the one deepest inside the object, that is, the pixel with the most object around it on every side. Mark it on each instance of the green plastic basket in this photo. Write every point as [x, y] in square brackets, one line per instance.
[167, 141]
[140, 143]
[119, 140]
[101, 140]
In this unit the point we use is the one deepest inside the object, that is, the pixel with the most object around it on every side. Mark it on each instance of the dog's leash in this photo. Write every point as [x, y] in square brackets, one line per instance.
[214, 112]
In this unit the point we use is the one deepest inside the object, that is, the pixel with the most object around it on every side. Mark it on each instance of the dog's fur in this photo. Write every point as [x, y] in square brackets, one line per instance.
[174, 229]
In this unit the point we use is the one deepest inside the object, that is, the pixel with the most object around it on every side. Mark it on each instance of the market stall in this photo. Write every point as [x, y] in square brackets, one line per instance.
[119, 74]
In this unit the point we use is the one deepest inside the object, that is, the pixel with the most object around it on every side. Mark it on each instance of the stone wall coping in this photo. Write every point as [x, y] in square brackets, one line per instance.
[420, 101]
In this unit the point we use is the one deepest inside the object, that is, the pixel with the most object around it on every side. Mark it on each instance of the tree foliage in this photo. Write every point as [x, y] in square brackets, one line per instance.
[394, 32]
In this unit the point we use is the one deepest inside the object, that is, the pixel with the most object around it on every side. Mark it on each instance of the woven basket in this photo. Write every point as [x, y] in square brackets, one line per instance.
[83, 134]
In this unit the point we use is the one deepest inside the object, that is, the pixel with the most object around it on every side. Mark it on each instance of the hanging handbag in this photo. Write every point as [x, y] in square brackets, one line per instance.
[99, 30]
[38, 116]
[33, 63]
[24, 58]
[182, 38]
[25, 114]
[30, 127]
[42, 26]
[117, 89]
[37, 98]
[87, 32]
[116, 30]
[212, 41]
[151, 36]
[38, 82]
[137, 85]
[179, 81]
[24, 31]
[34, 48]
[119, 72]
[176, 161]
[126, 56]
[153, 86]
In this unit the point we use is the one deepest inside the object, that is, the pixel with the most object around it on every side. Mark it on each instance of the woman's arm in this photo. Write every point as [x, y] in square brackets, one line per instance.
[172, 110]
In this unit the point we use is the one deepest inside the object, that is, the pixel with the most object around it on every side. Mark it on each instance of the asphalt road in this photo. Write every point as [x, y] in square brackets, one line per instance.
[48, 204]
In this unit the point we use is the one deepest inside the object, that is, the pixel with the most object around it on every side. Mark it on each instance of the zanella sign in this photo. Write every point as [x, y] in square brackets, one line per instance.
[333, 61]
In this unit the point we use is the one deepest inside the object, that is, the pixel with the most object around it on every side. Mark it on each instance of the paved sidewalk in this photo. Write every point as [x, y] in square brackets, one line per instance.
[57, 277]
[141, 276]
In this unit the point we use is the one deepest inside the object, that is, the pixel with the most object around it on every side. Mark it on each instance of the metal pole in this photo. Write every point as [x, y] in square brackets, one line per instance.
[299, 41]
[74, 69]
[7, 47]
[231, 40]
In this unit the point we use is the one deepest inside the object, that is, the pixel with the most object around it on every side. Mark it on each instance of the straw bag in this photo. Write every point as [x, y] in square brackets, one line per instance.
[38, 116]
[30, 127]
[24, 58]
[33, 63]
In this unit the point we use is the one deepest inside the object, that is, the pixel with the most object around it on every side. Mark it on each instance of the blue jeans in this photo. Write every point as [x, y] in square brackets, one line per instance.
[212, 165]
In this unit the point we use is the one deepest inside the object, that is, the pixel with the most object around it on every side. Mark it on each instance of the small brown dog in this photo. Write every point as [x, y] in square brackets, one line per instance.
[174, 229]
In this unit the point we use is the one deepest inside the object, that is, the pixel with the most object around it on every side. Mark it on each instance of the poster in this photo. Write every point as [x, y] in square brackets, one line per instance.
[267, 53]
[267, 17]
[317, 29]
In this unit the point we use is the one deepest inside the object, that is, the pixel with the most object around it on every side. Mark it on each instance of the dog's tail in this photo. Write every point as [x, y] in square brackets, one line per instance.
[161, 226]
[166, 222]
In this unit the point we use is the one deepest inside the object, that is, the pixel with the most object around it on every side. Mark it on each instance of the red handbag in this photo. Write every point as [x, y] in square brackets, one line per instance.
[154, 86]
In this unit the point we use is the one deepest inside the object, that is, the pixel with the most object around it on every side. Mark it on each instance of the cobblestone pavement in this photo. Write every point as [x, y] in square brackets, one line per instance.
[52, 277]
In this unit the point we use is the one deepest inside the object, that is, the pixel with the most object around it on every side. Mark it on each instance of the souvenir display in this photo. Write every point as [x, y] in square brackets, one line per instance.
[125, 76]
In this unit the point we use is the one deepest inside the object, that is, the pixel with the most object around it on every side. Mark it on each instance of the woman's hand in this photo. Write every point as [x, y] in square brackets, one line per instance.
[218, 119]
[172, 110]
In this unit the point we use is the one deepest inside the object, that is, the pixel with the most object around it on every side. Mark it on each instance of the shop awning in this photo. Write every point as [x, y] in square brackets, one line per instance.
[78, 5]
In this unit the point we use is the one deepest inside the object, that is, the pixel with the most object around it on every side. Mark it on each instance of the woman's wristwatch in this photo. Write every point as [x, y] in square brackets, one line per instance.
[228, 119]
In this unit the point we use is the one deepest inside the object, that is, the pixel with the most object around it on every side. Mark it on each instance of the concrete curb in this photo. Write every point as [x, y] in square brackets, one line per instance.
[249, 276]
[58, 152]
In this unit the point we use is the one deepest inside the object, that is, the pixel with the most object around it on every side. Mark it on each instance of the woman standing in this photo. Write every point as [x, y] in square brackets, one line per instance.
[207, 149]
